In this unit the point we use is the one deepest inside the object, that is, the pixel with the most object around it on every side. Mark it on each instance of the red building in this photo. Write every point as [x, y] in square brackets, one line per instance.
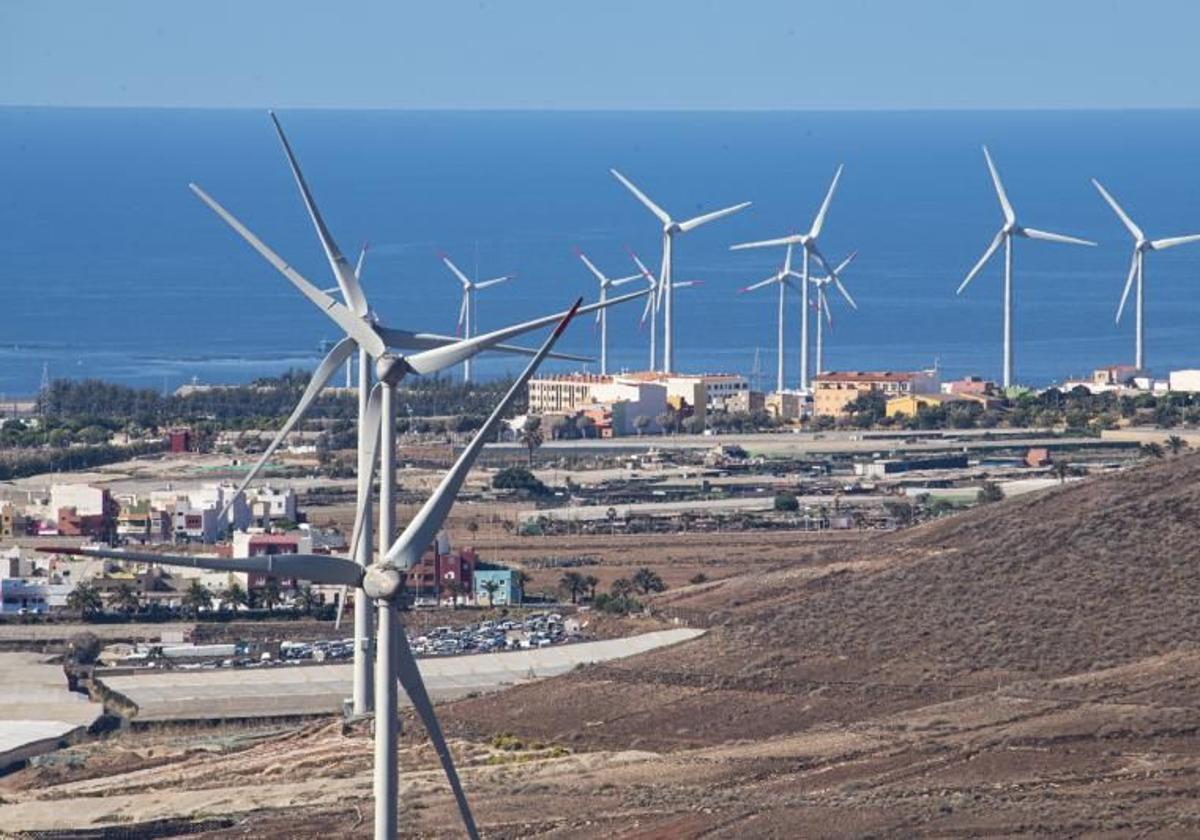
[436, 574]
[180, 440]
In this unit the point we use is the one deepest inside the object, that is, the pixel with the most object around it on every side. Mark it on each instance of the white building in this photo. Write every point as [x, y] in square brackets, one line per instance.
[24, 596]
[268, 504]
[1184, 381]
[87, 500]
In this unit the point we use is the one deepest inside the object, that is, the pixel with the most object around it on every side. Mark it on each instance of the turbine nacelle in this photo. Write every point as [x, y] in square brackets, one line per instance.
[382, 581]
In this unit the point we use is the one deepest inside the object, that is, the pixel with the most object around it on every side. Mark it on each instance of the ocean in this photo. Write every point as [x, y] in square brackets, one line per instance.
[111, 268]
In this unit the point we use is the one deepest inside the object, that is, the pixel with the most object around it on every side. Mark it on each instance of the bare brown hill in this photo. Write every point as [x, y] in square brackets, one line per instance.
[1091, 575]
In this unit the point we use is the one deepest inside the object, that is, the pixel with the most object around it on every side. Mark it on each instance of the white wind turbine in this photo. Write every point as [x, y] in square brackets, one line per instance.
[1140, 246]
[383, 582]
[833, 278]
[808, 242]
[372, 340]
[779, 278]
[606, 283]
[466, 312]
[666, 288]
[1005, 237]
[650, 310]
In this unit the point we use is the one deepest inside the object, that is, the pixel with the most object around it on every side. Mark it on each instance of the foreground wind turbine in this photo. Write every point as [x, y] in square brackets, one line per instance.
[383, 582]
[606, 283]
[1140, 246]
[372, 340]
[831, 279]
[666, 288]
[1005, 236]
[650, 310]
[466, 312]
[808, 242]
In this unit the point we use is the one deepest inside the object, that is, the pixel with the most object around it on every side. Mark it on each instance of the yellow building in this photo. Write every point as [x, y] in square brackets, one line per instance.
[832, 392]
[912, 404]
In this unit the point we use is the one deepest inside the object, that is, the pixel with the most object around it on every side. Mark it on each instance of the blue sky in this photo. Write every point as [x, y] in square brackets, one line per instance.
[603, 54]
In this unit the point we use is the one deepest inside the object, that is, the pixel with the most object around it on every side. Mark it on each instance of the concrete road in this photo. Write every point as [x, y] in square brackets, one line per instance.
[285, 691]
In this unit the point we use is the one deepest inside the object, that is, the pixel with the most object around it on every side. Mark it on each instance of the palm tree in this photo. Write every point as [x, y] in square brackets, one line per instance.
[235, 596]
[573, 583]
[621, 588]
[271, 595]
[1061, 469]
[531, 435]
[647, 581]
[641, 423]
[197, 598]
[666, 421]
[491, 587]
[308, 599]
[591, 582]
[1176, 444]
[85, 599]
[586, 425]
[1151, 450]
[454, 588]
[125, 599]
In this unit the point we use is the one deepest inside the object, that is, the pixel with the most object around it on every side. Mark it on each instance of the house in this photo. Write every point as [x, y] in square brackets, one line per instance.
[442, 572]
[1184, 381]
[258, 544]
[80, 510]
[976, 385]
[1038, 457]
[33, 595]
[508, 587]
[785, 405]
[13, 523]
[833, 391]
[140, 524]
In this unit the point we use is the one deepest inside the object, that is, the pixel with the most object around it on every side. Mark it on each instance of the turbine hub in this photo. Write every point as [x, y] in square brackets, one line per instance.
[390, 369]
[382, 583]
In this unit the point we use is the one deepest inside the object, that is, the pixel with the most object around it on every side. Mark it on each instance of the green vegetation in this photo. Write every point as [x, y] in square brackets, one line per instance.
[989, 492]
[519, 478]
[646, 581]
[85, 600]
[786, 502]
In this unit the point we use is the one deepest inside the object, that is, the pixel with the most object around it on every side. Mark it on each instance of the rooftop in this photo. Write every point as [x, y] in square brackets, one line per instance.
[867, 376]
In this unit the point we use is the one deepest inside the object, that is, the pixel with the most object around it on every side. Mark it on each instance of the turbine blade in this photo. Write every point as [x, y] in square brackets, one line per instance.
[457, 272]
[341, 607]
[646, 310]
[837, 282]
[621, 281]
[1121, 214]
[819, 221]
[844, 263]
[660, 213]
[441, 358]
[462, 312]
[330, 365]
[362, 256]
[1172, 241]
[774, 278]
[599, 276]
[642, 268]
[353, 325]
[409, 676]
[1009, 215]
[1046, 236]
[687, 284]
[372, 420]
[692, 224]
[347, 280]
[494, 281]
[407, 549]
[987, 255]
[794, 239]
[1128, 285]
[825, 306]
[318, 568]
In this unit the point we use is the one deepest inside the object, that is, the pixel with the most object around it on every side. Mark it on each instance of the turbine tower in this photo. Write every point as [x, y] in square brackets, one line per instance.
[1136, 267]
[808, 243]
[1005, 236]
[606, 283]
[653, 301]
[363, 333]
[822, 304]
[466, 312]
[383, 583]
[666, 288]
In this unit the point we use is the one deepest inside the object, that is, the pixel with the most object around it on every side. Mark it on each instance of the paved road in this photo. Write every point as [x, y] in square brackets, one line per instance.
[37, 712]
[591, 513]
[285, 691]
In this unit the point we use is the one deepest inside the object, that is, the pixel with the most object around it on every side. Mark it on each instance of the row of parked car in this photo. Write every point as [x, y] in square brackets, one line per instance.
[535, 630]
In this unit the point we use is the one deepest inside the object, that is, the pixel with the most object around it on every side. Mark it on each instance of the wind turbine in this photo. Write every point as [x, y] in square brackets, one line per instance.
[606, 283]
[653, 301]
[1140, 246]
[779, 278]
[372, 341]
[1005, 236]
[834, 279]
[466, 312]
[383, 582]
[670, 228]
[808, 243]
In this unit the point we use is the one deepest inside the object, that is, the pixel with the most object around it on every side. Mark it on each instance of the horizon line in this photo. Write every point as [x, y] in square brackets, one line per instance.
[534, 109]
